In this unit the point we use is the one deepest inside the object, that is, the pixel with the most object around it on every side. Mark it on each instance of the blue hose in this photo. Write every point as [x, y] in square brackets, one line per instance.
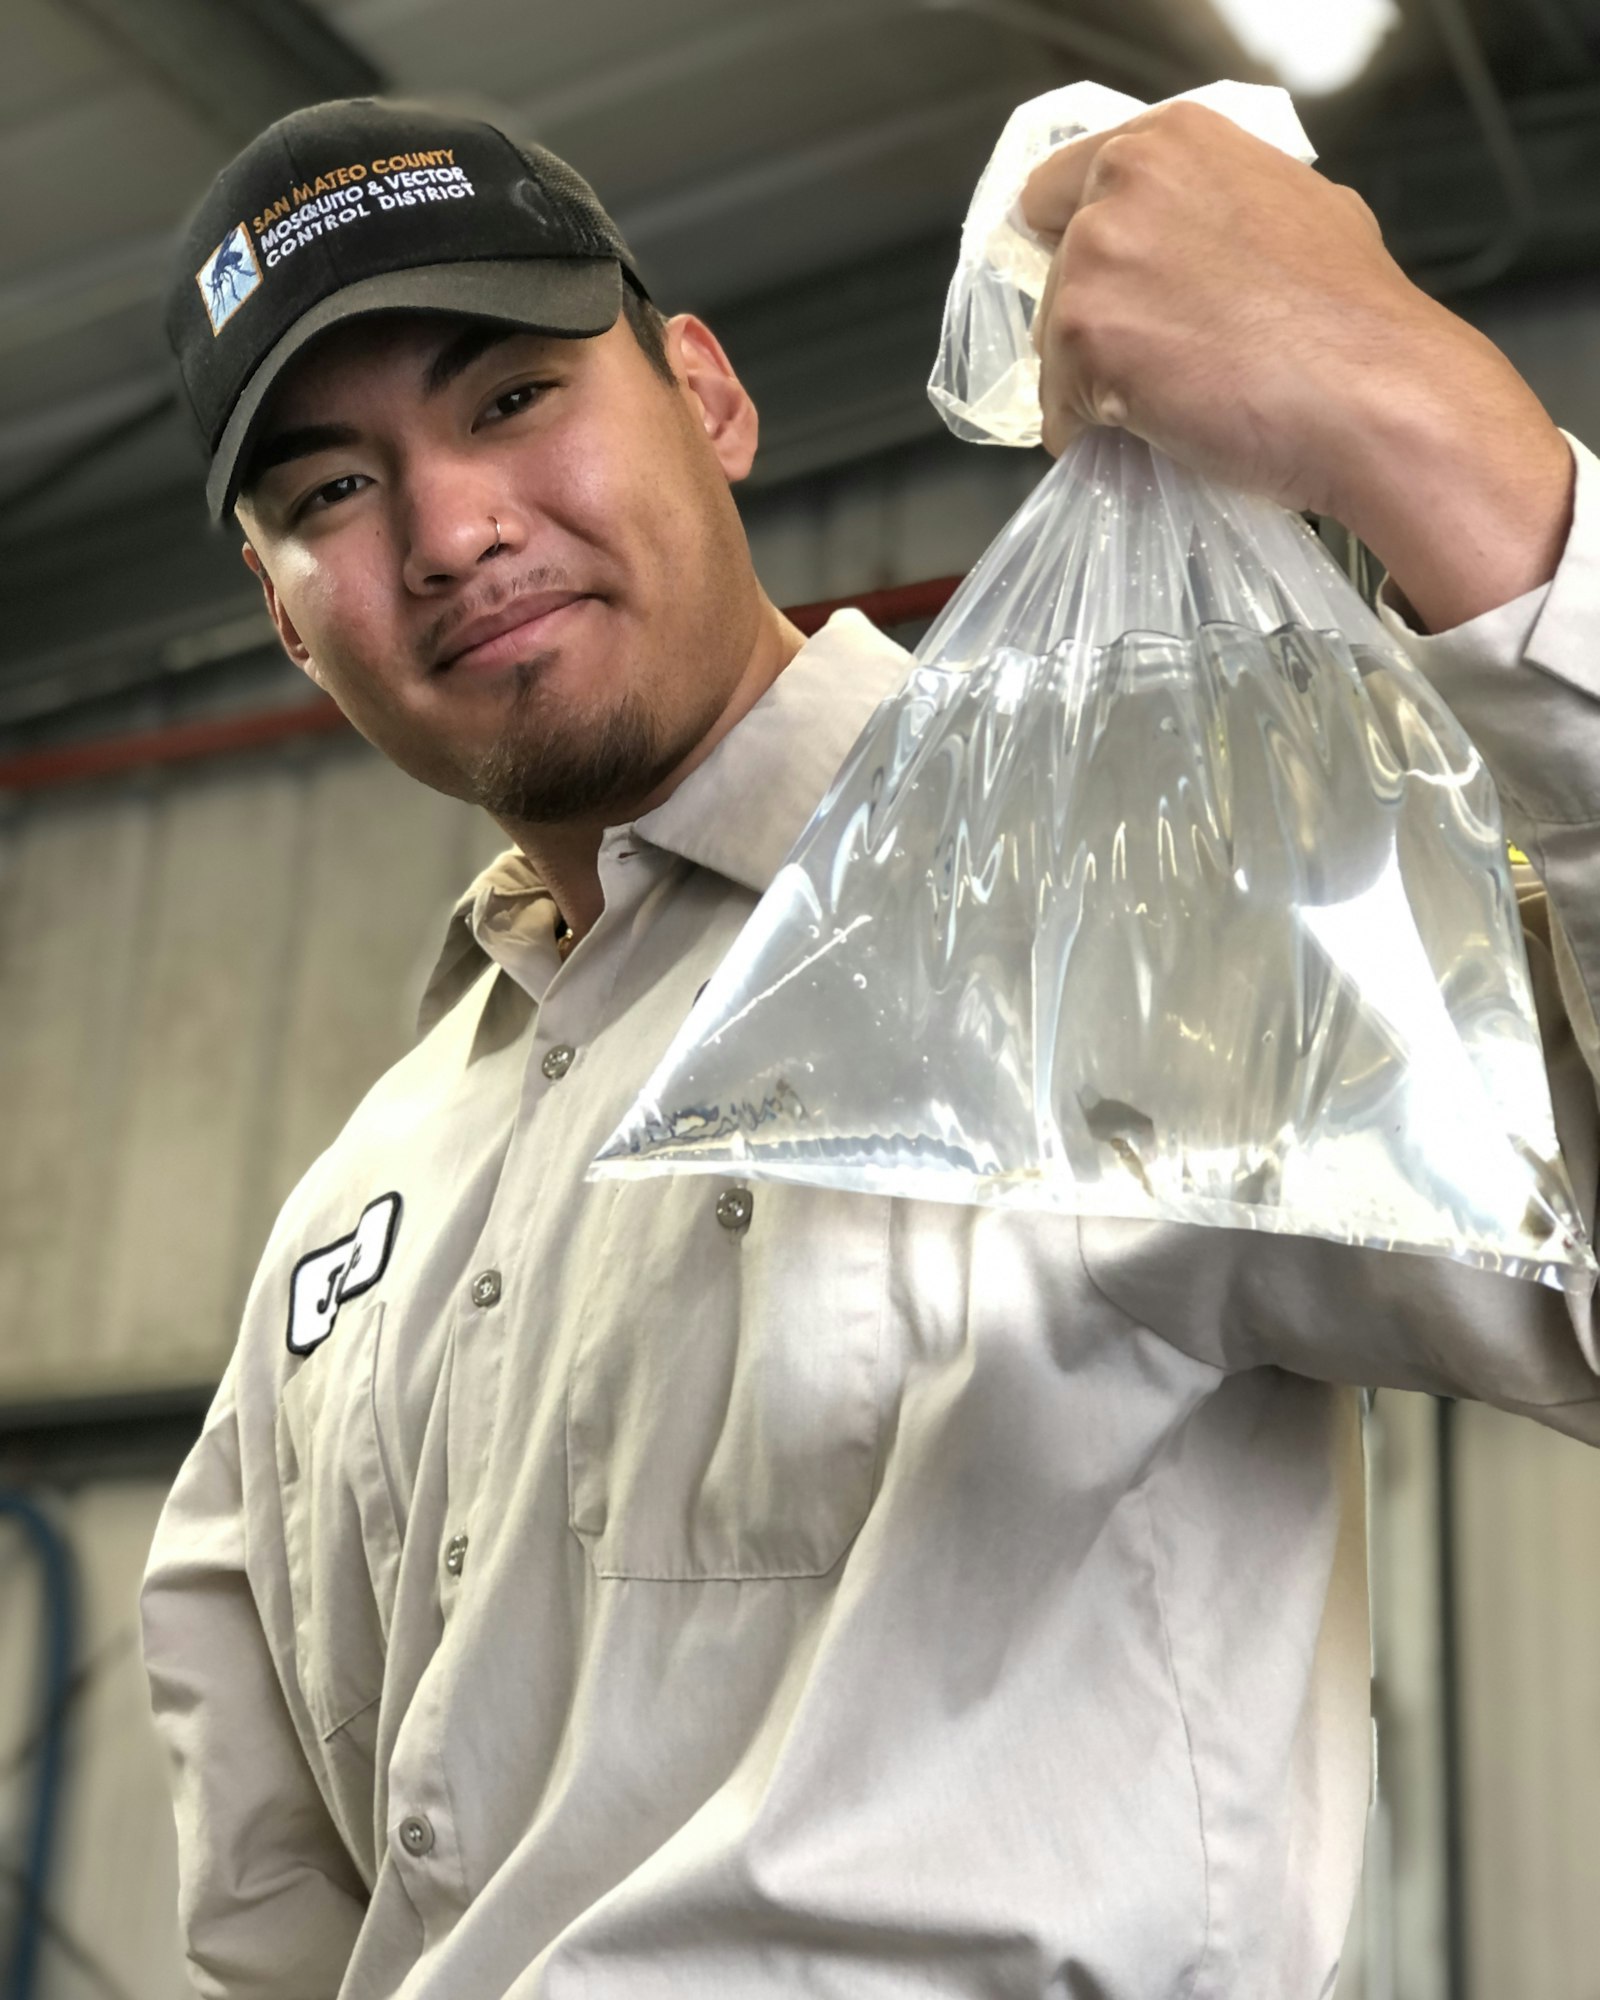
[55, 1563]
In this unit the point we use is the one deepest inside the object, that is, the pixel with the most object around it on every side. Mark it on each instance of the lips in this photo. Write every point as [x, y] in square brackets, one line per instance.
[504, 635]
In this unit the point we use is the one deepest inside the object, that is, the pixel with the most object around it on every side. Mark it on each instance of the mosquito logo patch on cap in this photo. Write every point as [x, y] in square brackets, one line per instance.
[228, 277]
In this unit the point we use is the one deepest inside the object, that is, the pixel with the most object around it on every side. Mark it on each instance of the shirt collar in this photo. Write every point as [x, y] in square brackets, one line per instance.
[741, 811]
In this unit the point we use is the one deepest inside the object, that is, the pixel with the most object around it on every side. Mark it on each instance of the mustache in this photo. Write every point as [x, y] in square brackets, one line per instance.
[437, 637]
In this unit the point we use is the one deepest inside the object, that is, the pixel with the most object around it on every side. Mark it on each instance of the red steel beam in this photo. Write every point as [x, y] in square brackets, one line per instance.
[222, 736]
[180, 743]
[898, 605]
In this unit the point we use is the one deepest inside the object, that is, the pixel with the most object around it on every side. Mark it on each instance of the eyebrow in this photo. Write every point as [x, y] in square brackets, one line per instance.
[458, 353]
[283, 446]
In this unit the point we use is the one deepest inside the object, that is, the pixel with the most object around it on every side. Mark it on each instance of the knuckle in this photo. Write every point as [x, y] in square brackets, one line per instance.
[1183, 118]
[1091, 236]
[1120, 158]
[1357, 206]
[1075, 334]
[1073, 329]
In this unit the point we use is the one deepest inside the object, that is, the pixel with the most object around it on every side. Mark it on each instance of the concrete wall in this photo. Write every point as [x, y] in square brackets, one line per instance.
[1528, 1520]
[198, 977]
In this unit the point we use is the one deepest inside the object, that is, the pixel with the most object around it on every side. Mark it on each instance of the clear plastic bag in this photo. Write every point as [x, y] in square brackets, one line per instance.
[985, 382]
[1165, 887]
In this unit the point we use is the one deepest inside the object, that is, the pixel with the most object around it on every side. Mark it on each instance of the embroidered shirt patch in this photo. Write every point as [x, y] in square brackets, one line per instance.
[323, 1279]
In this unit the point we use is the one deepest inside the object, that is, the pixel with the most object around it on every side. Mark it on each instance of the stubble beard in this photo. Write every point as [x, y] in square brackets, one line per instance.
[546, 766]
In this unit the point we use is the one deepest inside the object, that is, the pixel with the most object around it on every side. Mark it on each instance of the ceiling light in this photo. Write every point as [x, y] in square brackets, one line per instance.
[1314, 45]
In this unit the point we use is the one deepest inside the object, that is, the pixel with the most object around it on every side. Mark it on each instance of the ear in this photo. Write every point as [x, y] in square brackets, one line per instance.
[291, 641]
[719, 399]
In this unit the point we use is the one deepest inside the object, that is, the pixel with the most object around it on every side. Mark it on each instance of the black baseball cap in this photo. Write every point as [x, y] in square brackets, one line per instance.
[367, 206]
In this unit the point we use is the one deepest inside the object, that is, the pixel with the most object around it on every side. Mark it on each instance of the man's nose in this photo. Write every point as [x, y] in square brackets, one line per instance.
[452, 529]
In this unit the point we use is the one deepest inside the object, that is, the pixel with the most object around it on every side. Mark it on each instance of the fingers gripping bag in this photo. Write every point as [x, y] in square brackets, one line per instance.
[1164, 887]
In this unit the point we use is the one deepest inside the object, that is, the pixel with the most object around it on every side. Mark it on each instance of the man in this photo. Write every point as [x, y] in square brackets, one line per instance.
[682, 1588]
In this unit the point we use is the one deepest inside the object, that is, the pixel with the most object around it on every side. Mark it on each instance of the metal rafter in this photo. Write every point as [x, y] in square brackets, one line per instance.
[763, 36]
[238, 64]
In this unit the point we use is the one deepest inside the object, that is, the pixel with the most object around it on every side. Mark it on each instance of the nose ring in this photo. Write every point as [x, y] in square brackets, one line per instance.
[497, 542]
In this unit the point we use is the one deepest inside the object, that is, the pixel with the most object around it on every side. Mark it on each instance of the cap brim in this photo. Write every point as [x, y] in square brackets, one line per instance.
[575, 297]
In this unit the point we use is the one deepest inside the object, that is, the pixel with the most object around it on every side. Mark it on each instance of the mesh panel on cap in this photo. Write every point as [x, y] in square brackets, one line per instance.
[579, 203]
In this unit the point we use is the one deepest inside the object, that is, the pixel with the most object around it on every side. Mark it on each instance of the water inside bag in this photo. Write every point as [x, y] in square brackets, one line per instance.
[1212, 924]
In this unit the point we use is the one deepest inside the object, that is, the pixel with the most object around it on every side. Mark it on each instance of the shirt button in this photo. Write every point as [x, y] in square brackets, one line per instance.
[734, 1209]
[486, 1288]
[455, 1554]
[416, 1835]
[557, 1061]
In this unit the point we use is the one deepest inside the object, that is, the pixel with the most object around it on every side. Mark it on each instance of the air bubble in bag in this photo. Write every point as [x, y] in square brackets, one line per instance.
[1165, 887]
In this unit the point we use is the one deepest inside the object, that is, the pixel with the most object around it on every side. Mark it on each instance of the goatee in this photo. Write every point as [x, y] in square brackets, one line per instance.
[549, 768]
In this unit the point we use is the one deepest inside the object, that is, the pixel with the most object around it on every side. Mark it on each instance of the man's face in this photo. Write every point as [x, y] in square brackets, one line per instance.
[513, 560]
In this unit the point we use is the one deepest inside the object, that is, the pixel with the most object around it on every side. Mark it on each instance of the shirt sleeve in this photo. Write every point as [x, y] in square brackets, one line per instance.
[270, 1901]
[1524, 680]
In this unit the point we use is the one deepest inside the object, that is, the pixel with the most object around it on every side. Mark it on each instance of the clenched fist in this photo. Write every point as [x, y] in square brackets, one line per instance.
[1240, 310]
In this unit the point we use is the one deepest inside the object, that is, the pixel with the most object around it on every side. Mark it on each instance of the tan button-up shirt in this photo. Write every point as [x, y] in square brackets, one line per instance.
[670, 1588]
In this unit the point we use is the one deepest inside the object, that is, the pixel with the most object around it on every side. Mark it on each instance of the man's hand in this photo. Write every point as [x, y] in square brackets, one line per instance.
[1240, 311]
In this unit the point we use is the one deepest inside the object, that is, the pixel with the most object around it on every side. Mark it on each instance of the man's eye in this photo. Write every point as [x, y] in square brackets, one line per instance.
[343, 488]
[515, 401]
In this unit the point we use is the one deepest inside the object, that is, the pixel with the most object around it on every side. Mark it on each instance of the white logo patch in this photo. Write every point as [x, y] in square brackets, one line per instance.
[323, 1279]
[228, 277]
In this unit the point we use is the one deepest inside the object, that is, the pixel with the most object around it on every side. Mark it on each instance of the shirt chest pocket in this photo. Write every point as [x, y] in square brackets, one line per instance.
[340, 1531]
[725, 1401]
